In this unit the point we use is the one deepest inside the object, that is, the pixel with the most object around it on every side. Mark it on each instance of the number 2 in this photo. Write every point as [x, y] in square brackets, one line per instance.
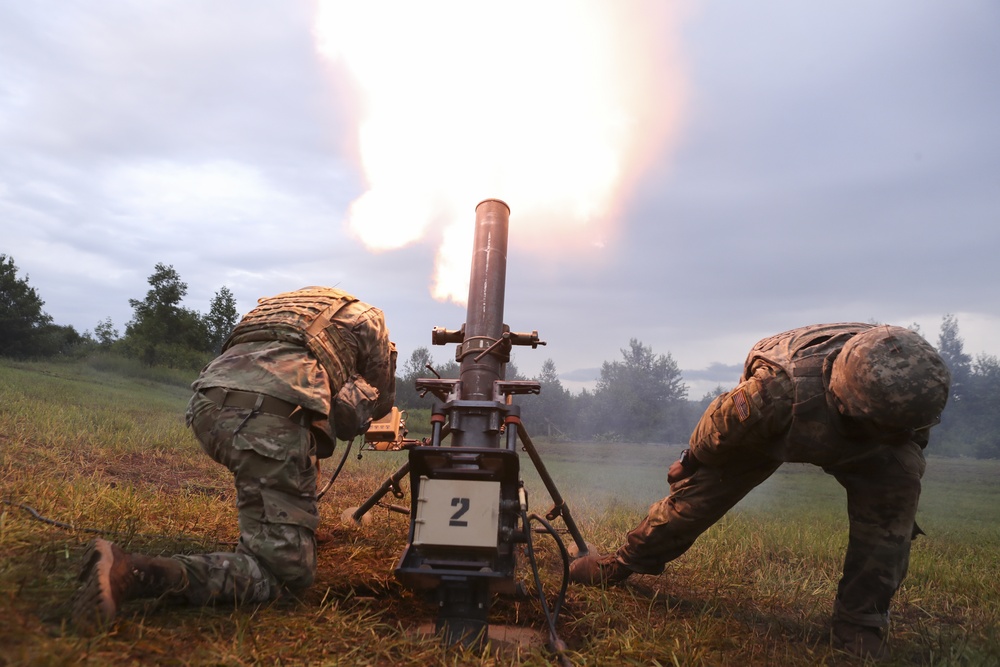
[463, 507]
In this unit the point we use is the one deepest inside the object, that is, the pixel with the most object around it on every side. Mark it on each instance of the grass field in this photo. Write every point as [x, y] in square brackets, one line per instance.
[96, 449]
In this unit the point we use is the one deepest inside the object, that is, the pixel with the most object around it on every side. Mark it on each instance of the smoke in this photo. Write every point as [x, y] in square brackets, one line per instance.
[555, 107]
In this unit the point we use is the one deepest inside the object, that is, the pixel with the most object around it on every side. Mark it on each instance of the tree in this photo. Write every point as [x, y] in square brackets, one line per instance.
[710, 396]
[221, 319]
[163, 332]
[413, 368]
[640, 397]
[549, 412]
[585, 415]
[416, 366]
[105, 333]
[951, 348]
[50, 340]
[980, 406]
[511, 372]
[449, 369]
[21, 314]
[971, 422]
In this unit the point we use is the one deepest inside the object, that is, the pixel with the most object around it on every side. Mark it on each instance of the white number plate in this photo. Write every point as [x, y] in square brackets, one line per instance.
[457, 512]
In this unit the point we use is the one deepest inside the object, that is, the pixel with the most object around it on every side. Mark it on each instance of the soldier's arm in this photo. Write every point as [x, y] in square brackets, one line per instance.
[377, 361]
[740, 423]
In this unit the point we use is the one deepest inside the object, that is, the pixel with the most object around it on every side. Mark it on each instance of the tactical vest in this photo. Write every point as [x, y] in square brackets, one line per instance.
[806, 356]
[304, 317]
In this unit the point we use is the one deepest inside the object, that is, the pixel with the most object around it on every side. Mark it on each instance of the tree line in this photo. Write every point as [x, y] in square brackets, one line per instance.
[639, 397]
[970, 424]
[161, 332]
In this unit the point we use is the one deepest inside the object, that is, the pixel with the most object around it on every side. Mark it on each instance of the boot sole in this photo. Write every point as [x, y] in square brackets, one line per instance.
[93, 604]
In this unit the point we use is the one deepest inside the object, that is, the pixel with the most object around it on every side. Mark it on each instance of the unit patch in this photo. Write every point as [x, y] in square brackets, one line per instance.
[741, 403]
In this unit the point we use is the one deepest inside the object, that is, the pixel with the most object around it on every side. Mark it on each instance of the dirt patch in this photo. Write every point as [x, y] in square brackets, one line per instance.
[163, 471]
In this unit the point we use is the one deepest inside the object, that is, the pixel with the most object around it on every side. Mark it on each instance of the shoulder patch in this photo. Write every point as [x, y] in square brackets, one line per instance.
[741, 403]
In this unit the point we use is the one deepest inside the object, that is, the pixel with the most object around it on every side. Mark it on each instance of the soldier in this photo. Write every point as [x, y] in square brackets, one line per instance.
[856, 399]
[299, 371]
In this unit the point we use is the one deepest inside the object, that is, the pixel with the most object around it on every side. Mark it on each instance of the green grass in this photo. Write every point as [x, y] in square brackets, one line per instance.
[105, 449]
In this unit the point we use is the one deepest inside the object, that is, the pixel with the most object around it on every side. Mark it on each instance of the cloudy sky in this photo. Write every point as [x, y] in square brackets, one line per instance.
[694, 175]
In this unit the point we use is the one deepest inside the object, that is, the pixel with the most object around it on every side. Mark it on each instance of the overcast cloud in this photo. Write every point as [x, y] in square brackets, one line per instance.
[835, 161]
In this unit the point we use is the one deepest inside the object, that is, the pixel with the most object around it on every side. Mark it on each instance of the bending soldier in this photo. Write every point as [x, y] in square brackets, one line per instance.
[856, 399]
[299, 371]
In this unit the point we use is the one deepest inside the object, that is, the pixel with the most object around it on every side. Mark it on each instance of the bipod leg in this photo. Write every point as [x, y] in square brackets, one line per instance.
[391, 483]
[560, 509]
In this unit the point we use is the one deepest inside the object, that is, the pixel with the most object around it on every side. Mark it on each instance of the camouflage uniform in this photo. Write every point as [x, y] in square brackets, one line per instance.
[298, 371]
[272, 465]
[301, 373]
[782, 411]
[271, 456]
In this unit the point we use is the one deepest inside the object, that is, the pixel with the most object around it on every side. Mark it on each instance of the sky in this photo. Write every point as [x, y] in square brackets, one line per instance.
[693, 175]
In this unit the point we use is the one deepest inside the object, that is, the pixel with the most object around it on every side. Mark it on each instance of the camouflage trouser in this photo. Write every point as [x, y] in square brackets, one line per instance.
[882, 494]
[271, 460]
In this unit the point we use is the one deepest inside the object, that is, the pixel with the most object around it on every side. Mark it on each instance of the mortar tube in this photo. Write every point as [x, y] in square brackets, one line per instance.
[484, 321]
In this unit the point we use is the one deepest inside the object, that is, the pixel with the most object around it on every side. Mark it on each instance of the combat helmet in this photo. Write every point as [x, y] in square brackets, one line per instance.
[891, 377]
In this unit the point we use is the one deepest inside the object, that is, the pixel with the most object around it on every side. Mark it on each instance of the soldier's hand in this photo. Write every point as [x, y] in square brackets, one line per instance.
[683, 467]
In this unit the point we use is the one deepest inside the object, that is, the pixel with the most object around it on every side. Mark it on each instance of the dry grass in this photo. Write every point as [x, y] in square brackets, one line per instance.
[100, 452]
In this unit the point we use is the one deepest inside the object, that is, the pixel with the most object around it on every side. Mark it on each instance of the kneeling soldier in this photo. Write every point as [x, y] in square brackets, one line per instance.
[299, 371]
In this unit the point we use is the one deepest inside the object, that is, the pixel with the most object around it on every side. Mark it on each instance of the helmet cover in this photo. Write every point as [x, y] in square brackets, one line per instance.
[892, 377]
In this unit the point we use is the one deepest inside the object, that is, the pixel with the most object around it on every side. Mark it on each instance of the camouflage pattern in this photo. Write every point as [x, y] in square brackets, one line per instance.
[892, 377]
[303, 317]
[271, 461]
[275, 368]
[781, 411]
[347, 336]
[302, 348]
[353, 407]
[348, 344]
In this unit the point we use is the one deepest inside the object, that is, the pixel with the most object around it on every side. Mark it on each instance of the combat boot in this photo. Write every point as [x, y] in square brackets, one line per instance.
[595, 570]
[110, 576]
[859, 640]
